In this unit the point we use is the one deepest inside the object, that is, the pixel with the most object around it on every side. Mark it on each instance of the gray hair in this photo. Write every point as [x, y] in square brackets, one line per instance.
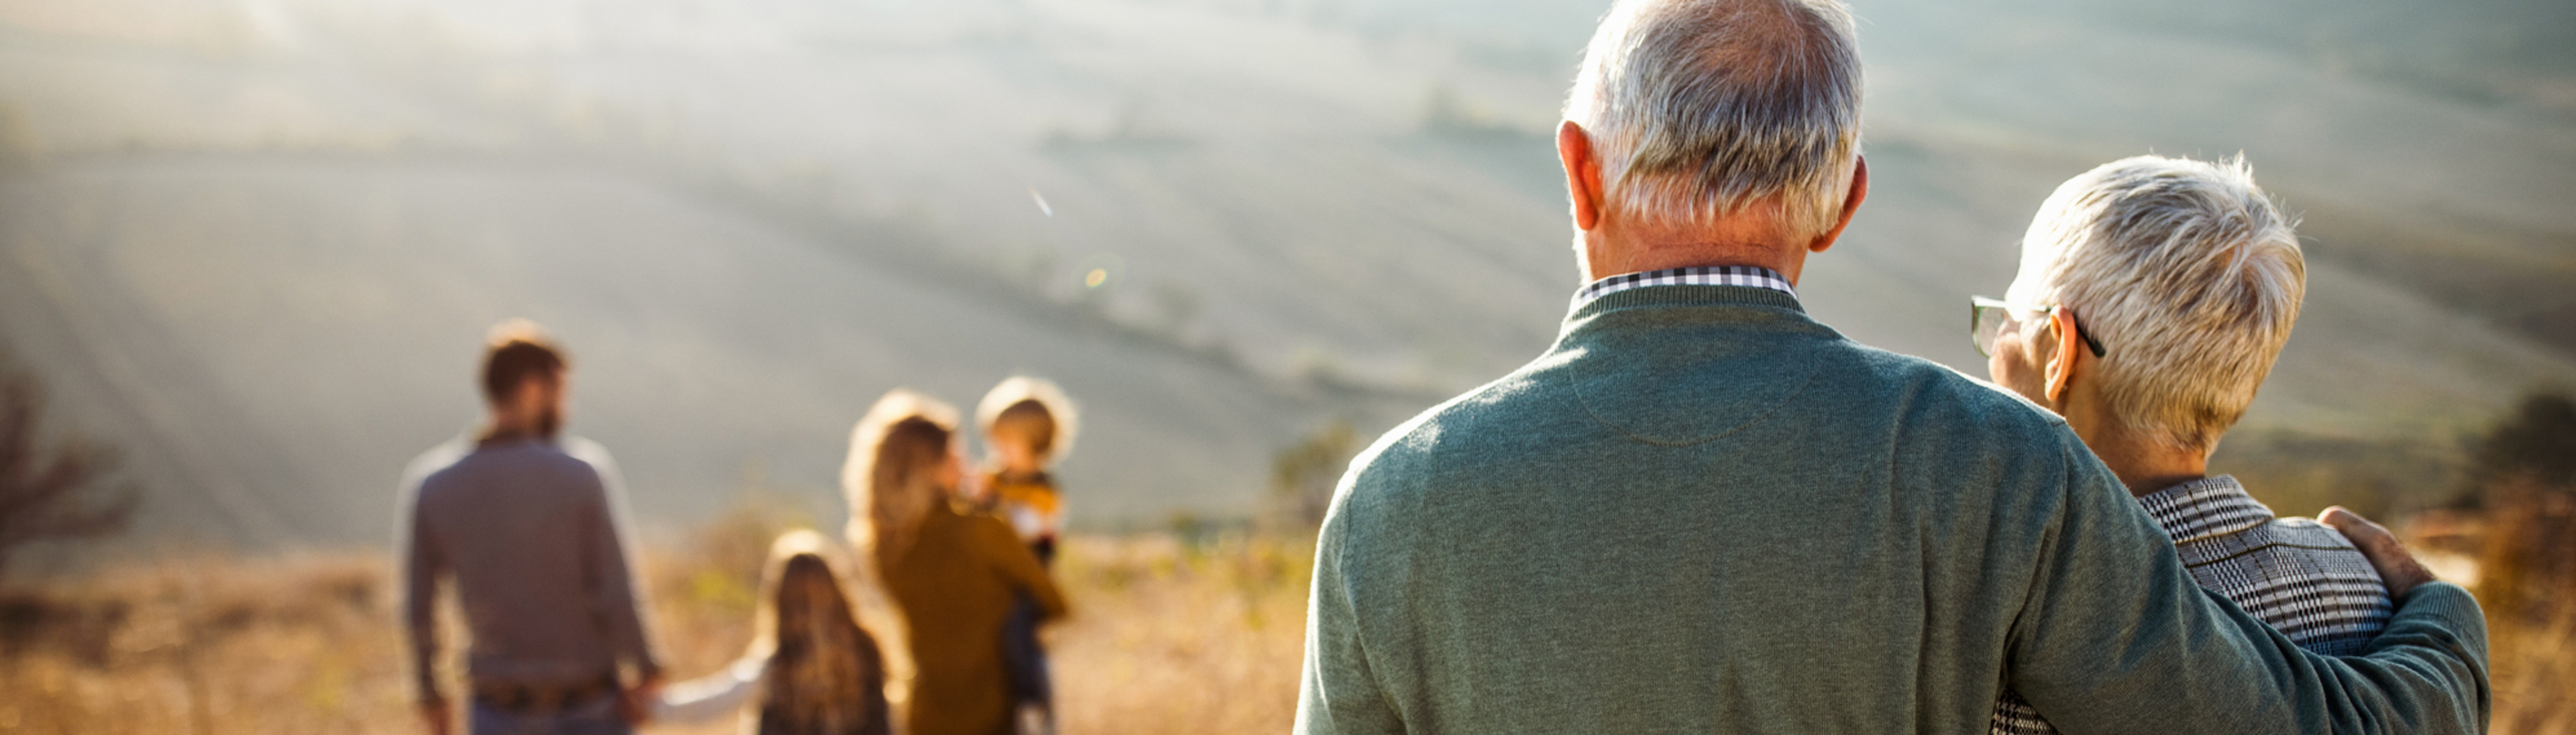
[1698, 109]
[2187, 273]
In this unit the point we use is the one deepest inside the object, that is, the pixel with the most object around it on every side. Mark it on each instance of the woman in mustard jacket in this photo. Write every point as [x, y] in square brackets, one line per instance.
[953, 572]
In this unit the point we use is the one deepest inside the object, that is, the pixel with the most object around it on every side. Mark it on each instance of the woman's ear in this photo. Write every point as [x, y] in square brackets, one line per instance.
[2062, 365]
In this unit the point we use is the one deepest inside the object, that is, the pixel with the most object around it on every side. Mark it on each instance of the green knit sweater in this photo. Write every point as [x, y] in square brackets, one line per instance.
[1701, 511]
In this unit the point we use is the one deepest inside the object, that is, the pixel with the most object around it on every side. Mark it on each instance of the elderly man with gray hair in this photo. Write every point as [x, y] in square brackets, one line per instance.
[1701, 510]
[2192, 272]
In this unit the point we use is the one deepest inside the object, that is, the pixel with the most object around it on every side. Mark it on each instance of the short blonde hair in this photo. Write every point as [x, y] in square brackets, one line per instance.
[1032, 404]
[1699, 109]
[2185, 271]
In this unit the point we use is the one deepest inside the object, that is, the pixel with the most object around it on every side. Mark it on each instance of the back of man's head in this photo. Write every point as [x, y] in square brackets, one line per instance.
[1699, 109]
[516, 352]
[2188, 275]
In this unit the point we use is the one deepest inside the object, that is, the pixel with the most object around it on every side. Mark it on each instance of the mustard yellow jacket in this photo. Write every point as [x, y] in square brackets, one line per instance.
[956, 583]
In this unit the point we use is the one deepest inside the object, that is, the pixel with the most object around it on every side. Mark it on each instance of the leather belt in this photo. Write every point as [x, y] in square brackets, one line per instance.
[527, 698]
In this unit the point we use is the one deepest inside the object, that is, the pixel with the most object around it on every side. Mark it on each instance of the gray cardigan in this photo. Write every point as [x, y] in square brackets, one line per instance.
[1702, 511]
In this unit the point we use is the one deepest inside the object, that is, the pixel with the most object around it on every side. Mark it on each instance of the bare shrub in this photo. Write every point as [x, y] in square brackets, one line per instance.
[1302, 477]
[57, 495]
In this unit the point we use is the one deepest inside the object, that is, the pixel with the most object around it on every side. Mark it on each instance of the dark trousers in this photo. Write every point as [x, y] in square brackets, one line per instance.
[1022, 657]
[595, 717]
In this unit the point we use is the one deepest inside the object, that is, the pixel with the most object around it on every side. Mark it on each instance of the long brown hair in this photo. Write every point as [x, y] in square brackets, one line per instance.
[891, 477]
[826, 675]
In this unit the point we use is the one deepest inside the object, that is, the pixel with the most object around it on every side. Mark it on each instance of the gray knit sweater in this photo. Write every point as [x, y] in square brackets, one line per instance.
[532, 537]
[1701, 511]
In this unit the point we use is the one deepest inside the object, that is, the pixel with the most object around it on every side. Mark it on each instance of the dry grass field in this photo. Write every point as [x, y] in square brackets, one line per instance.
[1170, 635]
[2533, 665]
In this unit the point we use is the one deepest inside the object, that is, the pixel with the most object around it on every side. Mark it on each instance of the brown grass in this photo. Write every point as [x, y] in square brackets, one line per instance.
[195, 645]
[2534, 668]
[1180, 638]
[1168, 636]
[2527, 584]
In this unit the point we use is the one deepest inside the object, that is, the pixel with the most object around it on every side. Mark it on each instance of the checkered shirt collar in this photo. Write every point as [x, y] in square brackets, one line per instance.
[2210, 506]
[1714, 275]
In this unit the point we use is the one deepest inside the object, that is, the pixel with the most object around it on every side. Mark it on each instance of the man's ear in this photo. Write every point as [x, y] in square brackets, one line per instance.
[2070, 349]
[1851, 205]
[1582, 174]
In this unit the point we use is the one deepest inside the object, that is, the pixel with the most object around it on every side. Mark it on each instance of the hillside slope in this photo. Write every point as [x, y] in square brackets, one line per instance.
[255, 242]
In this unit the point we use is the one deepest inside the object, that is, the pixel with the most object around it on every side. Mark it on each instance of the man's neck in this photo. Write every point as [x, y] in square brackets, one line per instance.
[504, 428]
[1611, 254]
[498, 436]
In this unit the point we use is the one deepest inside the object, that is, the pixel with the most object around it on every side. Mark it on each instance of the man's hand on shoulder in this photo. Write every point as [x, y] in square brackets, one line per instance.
[2396, 566]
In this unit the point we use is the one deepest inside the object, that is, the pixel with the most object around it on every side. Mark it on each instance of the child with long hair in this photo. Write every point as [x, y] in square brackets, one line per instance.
[953, 572]
[811, 667]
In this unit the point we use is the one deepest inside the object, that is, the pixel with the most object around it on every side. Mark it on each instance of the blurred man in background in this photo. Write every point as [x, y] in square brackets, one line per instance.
[528, 530]
[1703, 511]
[2154, 294]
